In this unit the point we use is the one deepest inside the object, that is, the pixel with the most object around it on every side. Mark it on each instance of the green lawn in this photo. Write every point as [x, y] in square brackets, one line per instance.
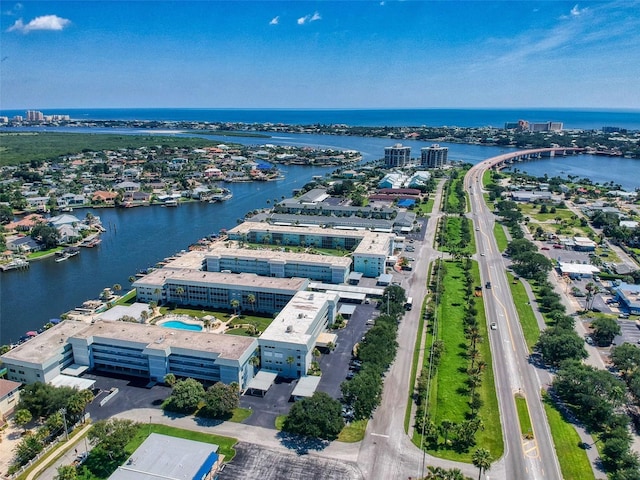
[574, 463]
[448, 399]
[501, 236]
[44, 253]
[240, 415]
[353, 432]
[527, 318]
[452, 234]
[425, 208]
[523, 416]
[261, 323]
[487, 179]
[193, 312]
[128, 298]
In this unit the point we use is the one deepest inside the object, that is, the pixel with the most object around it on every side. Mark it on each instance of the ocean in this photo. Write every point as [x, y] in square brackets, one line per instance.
[586, 119]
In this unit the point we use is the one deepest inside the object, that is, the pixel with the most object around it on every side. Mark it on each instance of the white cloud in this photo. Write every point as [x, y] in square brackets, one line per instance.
[275, 20]
[45, 22]
[309, 18]
[575, 11]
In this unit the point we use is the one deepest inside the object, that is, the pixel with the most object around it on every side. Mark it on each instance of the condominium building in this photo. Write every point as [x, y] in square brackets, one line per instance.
[34, 116]
[369, 249]
[434, 156]
[287, 344]
[397, 156]
[279, 264]
[135, 349]
[218, 290]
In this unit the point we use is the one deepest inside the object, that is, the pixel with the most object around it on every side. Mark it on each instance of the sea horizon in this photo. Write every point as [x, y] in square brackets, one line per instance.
[572, 118]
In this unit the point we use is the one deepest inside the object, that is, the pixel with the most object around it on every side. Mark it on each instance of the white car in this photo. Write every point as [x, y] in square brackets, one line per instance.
[494, 326]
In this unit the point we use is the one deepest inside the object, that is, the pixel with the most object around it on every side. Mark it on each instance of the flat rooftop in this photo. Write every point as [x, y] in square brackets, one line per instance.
[293, 323]
[230, 347]
[190, 260]
[270, 254]
[371, 243]
[199, 277]
[165, 457]
[40, 348]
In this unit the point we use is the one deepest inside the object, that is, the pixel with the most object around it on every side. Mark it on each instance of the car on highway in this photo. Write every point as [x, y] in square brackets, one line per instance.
[477, 229]
[544, 248]
[494, 326]
[482, 254]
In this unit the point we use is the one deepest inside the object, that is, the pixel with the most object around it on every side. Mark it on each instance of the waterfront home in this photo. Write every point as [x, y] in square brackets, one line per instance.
[71, 200]
[23, 245]
[105, 197]
[25, 224]
[127, 186]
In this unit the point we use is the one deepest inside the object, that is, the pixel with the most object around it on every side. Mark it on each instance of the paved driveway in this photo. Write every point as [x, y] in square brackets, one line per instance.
[132, 394]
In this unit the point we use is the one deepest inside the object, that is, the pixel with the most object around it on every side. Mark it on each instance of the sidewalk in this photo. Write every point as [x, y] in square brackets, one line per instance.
[49, 470]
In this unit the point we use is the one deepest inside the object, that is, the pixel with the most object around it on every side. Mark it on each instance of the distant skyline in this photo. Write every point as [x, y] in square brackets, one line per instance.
[319, 55]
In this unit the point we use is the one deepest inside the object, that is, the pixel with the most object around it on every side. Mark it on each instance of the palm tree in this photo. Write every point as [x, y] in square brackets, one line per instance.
[206, 322]
[482, 460]
[235, 303]
[132, 278]
[251, 299]
[445, 428]
[316, 353]
[290, 360]
[180, 292]
[117, 287]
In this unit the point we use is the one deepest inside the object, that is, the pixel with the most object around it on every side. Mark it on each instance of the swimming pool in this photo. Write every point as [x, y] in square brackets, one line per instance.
[181, 325]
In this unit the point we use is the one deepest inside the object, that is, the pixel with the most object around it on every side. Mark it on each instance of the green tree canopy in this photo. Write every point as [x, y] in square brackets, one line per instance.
[220, 400]
[558, 344]
[318, 416]
[605, 330]
[112, 435]
[185, 396]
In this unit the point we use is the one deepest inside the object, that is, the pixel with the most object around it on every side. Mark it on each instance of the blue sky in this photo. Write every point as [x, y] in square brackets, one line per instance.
[300, 54]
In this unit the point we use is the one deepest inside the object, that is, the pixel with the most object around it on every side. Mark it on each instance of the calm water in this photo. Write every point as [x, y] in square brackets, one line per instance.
[138, 238]
[572, 119]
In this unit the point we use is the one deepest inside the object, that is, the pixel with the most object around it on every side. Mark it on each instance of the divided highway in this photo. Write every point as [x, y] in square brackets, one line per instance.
[531, 459]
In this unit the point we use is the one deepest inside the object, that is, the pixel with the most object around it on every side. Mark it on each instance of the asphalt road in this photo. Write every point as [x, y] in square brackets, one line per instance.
[535, 459]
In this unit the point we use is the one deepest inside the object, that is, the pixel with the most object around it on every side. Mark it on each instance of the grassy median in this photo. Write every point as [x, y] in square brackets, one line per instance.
[448, 399]
[573, 460]
[528, 320]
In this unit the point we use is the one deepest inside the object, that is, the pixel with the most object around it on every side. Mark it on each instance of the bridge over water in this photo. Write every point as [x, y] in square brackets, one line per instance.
[507, 159]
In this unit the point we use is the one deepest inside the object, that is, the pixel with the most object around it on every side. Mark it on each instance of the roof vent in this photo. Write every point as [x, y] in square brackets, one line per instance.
[289, 328]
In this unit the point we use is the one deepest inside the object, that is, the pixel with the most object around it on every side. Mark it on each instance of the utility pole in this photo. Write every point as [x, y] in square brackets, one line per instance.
[63, 411]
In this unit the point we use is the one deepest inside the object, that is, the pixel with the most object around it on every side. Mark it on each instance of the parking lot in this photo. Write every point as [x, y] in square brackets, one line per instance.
[132, 394]
[264, 464]
[630, 333]
[334, 367]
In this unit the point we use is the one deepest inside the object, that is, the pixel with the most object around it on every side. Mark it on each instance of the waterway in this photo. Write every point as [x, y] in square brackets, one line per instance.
[137, 238]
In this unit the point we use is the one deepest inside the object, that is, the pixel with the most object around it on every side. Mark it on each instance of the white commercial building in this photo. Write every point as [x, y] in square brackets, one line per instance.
[286, 345]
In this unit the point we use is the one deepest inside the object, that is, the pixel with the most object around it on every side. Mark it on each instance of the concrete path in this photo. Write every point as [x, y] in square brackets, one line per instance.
[49, 470]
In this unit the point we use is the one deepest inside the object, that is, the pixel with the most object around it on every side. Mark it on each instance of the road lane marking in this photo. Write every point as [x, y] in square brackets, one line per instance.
[379, 435]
